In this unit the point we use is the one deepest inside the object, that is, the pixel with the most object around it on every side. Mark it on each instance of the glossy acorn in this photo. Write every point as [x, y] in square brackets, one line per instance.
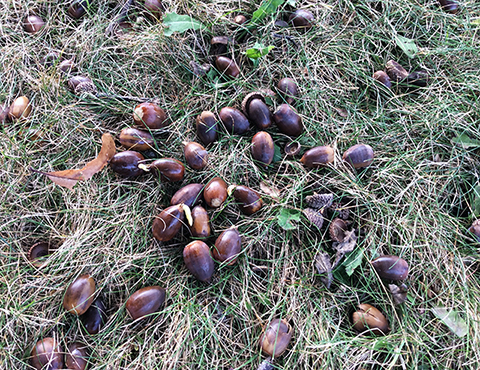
[359, 156]
[145, 301]
[288, 88]
[78, 8]
[79, 295]
[391, 267]
[170, 169]
[227, 66]
[20, 108]
[250, 201]
[235, 121]
[150, 115]
[215, 192]
[76, 357]
[337, 229]
[47, 354]
[383, 78]
[395, 71]
[369, 320]
[227, 246]
[126, 163]
[288, 121]
[317, 157]
[189, 195]
[201, 223]
[37, 254]
[276, 338]
[302, 19]
[256, 110]
[168, 223]
[450, 6]
[195, 155]
[95, 317]
[198, 260]
[263, 148]
[33, 24]
[206, 125]
[134, 139]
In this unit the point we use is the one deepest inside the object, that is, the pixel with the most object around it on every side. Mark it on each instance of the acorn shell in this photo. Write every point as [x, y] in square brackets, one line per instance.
[170, 169]
[276, 338]
[95, 317]
[168, 223]
[47, 352]
[359, 156]
[235, 121]
[337, 229]
[198, 260]
[78, 9]
[288, 88]
[150, 115]
[33, 24]
[263, 148]
[317, 157]
[145, 301]
[250, 201]
[292, 148]
[227, 66]
[206, 125]
[227, 246]
[134, 139]
[369, 320]
[79, 295]
[201, 223]
[382, 77]
[391, 267]
[215, 192]
[126, 163]
[189, 195]
[37, 253]
[288, 121]
[196, 155]
[20, 108]
[395, 71]
[76, 357]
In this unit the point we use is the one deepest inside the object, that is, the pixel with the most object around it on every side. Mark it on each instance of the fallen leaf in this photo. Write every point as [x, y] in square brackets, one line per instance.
[399, 293]
[285, 218]
[348, 244]
[407, 45]
[180, 23]
[270, 190]
[452, 319]
[324, 267]
[68, 178]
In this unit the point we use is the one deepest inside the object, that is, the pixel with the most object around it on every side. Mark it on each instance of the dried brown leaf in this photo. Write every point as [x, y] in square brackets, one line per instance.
[399, 293]
[324, 267]
[270, 190]
[348, 244]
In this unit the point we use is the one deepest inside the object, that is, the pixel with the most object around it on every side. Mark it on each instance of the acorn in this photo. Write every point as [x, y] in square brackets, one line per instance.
[317, 157]
[450, 6]
[76, 357]
[33, 24]
[382, 77]
[235, 121]
[288, 120]
[418, 78]
[20, 108]
[263, 148]
[66, 66]
[79, 295]
[198, 260]
[359, 156]
[78, 8]
[195, 155]
[168, 223]
[4, 114]
[256, 110]
[190, 195]
[155, 7]
[395, 71]
[475, 229]
[227, 246]
[126, 163]
[131, 138]
[227, 66]
[207, 127]
[391, 267]
[288, 88]
[292, 148]
[337, 230]
[150, 115]
[47, 354]
[145, 301]
[302, 19]
[201, 223]
[95, 317]
[369, 320]
[37, 254]
[276, 338]
[240, 19]
[82, 85]
[250, 201]
[170, 169]
[215, 192]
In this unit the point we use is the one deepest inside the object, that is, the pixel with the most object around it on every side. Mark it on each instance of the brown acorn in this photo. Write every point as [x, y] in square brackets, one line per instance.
[276, 338]
[359, 156]
[79, 295]
[4, 114]
[155, 7]
[288, 121]
[126, 163]
[201, 223]
[475, 229]
[288, 88]
[450, 6]
[302, 19]
[395, 71]
[235, 121]
[37, 254]
[77, 356]
[215, 192]
[391, 267]
[145, 301]
[219, 45]
[95, 317]
[317, 157]
[256, 110]
[131, 138]
[198, 260]
[195, 155]
[78, 8]
[369, 320]
[150, 115]
[168, 223]
[170, 169]
[47, 354]
[207, 127]
[227, 66]
[250, 201]
[337, 229]
[190, 195]
[240, 19]
[263, 148]
[418, 79]
[33, 24]
[20, 108]
[382, 77]
[227, 246]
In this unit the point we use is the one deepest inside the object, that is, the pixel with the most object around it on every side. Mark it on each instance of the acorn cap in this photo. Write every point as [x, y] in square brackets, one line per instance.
[292, 148]
[36, 252]
[337, 229]
[246, 101]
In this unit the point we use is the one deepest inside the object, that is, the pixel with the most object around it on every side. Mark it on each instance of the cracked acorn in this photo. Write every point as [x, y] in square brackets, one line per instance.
[169, 222]
[369, 320]
[201, 223]
[150, 115]
[215, 192]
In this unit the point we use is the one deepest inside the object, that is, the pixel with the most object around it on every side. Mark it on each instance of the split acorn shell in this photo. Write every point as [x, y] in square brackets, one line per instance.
[276, 338]
[263, 148]
[319, 156]
[391, 267]
[369, 320]
[37, 253]
[227, 246]
[145, 301]
[288, 121]
[198, 260]
[76, 356]
[359, 156]
[47, 352]
[126, 163]
[201, 223]
[20, 108]
[150, 115]
[131, 138]
[337, 229]
[227, 66]
[206, 125]
[170, 169]
[250, 201]
[168, 223]
[190, 195]
[79, 295]
[215, 192]
[235, 121]
[95, 317]
[195, 155]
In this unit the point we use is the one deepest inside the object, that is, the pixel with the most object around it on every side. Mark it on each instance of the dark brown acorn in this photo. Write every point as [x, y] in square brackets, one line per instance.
[302, 19]
[79, 295]
[207, 127]
[170, 169]
[418, 78]
[227, 66]
[155, 7]
[369, 320]
[95, 317]
[37, 253]
[450, 6]
[288, 88]
[227, 246]
[359, 156]
[47, 354]
[276, 338]
[382, 77]
[190, 195]
[168, 223]
[201, 223]
[215, 193]
[257, 111]
[337, 229]
[4, 114]
[250, 201]
[263, 148]
[475, 229]
[240, 19]
[131, 138]
[198, 260]
[288, 120]
[76, 357]
[145, 301]
[195, 155]
[20, 108]
[319, 156]
[126, 163]
[391, 267]
[33, 24]
[151, 116]
[292, 148]
[67, 66]
[395, 71]
[235, 121]
[78, 8]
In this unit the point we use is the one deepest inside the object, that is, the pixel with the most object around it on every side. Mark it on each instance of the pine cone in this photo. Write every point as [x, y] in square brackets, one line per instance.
[319, 201]
[340, 210]
[314, 216]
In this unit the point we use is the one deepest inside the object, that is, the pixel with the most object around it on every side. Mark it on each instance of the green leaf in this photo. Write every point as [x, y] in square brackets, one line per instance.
[180, 23]
[258, 51]
[475, 22]
[268, 7]
[465, 141]
[407, 45]
[353, 260]
[286, 216]
[277, 154]
[452, 319]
